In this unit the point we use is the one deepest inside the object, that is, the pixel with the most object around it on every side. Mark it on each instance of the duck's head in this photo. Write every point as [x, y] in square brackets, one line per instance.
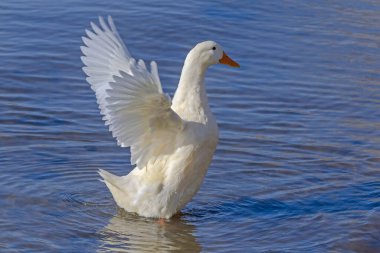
[208, 53]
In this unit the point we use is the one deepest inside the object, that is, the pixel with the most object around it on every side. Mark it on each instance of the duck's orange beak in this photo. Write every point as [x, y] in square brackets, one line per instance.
[228, 61]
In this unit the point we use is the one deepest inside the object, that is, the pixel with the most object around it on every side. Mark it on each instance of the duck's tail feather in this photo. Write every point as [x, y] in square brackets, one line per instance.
[108, 177]
[115, 185]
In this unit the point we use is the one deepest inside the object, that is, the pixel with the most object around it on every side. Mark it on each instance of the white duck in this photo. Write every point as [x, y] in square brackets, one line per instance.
[172, 143]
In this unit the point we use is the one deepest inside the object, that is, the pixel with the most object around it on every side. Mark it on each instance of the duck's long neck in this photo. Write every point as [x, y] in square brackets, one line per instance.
[190, 99]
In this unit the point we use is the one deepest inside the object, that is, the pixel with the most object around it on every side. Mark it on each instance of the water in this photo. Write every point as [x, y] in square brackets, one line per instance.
[297, 166]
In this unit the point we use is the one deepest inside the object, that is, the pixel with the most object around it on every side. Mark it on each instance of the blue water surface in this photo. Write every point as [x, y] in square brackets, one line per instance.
[297, 168]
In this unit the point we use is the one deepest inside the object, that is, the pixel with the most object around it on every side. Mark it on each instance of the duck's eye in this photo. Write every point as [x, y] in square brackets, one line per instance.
[214, 48]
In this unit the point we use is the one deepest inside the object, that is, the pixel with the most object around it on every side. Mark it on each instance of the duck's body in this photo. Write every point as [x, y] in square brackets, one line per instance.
[165, 187]
[171, 144]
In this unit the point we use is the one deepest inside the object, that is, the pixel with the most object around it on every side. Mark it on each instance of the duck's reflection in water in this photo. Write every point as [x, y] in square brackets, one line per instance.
[130, 233]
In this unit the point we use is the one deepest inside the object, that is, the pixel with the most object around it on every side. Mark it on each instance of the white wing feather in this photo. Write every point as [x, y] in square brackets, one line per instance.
[130, 97]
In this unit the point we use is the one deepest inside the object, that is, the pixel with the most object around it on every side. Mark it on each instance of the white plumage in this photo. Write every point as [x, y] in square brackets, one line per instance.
[171, 143]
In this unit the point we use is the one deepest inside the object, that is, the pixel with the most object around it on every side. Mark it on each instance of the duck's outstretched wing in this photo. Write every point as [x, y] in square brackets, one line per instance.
[130, 97]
